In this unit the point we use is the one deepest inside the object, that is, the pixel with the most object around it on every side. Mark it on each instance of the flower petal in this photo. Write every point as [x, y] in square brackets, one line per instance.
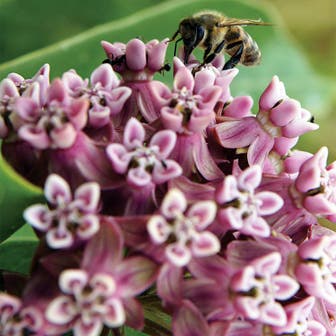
[115, 315]
[173, 203]
[179, 255]
[38, 216]
[134, 134]
[73, 281]
[87, 196]
[119, 157]
[158, 229]
[57, 190]
[202, 214]
[61, 310]
[165, 141]
[205, 244]
[268, 202]
[284, 287]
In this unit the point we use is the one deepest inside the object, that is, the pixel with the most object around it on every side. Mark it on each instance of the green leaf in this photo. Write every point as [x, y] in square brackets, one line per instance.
[280, 54]
[16, 194]
[17, 251]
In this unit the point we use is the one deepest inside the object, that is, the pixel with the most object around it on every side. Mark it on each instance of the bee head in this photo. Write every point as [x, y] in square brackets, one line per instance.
[192, 34]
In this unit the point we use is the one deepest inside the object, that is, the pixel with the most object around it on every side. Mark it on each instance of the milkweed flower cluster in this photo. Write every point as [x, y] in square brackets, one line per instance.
[177, 199]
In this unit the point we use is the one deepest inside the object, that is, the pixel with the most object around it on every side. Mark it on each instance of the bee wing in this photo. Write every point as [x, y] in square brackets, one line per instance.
[227, 22]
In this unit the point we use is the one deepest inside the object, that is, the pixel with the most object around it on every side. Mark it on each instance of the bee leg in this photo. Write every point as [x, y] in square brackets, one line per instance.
[234, 60]
[208, 58]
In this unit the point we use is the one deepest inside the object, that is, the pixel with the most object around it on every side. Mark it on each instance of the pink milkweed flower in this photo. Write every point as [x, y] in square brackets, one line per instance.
[314, 188]
[106, 96]
[13, 87]
[136, 60]
[54, 124]
[300, 321]
[15, 319]
[257, 288]
[137, 63]
[316, 270]
[276, 127]
[69, 218]
[102, 292]
[185, 226]
[241, 207]
[144, 164]
[190, 108]
[188, 112]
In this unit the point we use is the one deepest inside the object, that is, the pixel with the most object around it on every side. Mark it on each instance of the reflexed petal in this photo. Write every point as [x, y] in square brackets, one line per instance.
[250, 178]
[260, 148]
[73, 281]
[94, 328]
[139, 177]
[64, 136]
[173, 204]
[3, 128]
[134, 134]
[205, 244]
[178, 254]
[119, 157]
[134, 275]
[87, 196]
[169, 283]
[202, 214]
[115, 316]
[57, 190]
[158, 229]
[166, 172]
[267, 265]
[89, 225]
[35, 136]
[165, 141]
[272, 313]
[56, 239]
[189, 321]
[38, 216]
[136, 55]
[268, 202]
[61, 310]
[104, 75]
[284, 287]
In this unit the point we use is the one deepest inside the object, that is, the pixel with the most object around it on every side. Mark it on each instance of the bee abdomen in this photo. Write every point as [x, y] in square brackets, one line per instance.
[251, 54]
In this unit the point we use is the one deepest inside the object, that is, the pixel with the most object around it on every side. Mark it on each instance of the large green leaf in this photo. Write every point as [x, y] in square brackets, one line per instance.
[17, 251]
[280, 55]
[15, 195]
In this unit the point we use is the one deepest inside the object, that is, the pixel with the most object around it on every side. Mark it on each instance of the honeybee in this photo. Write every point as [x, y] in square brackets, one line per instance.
[216, 33]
